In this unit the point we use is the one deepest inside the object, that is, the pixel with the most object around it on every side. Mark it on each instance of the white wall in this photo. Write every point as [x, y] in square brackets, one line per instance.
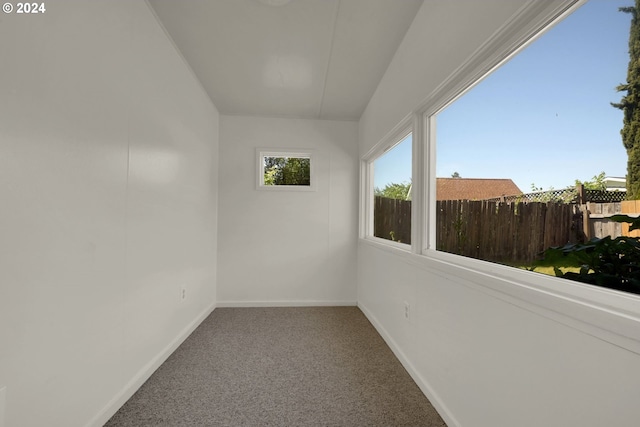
[484, 361]
[108, 183]
[284, 247]
[483, 358]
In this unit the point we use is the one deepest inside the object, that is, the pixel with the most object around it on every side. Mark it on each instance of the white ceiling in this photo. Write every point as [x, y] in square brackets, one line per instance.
[318, 59]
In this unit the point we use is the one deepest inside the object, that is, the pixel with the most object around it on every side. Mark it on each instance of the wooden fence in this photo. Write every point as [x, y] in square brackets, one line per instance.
[599, 225]
[630, 207]
[492, 231]
[392, 219]
[514, 233]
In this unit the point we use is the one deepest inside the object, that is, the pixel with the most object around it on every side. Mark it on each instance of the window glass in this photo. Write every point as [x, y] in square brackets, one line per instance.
[531, 157]
[285, 170]
[392, 193]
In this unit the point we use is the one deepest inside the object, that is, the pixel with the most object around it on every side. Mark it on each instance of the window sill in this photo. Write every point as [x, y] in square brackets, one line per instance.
[388, 245]
[609, 315]
[286, 188]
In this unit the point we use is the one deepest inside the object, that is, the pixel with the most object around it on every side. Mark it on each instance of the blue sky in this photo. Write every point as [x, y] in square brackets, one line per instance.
[544, 117]
[394, 166]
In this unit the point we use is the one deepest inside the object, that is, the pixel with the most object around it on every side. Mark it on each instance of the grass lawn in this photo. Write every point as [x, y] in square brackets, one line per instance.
[547, 268]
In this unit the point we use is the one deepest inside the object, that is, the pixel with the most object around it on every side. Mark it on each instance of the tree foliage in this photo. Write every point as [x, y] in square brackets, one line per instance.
[400, 191]
[630, 105]
[596, 183]
[287, 171]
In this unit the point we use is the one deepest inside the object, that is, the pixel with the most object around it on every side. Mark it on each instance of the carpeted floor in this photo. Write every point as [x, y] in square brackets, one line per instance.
[307, 366]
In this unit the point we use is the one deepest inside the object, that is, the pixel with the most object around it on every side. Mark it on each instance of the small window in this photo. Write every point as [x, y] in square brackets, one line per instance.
[391, 178]
[285, 170]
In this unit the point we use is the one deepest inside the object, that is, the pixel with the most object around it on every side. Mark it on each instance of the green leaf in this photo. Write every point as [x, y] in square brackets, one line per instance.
[557, 271]
[634, 221]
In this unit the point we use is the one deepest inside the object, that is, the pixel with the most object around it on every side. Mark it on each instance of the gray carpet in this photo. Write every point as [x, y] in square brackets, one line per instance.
[307, 366]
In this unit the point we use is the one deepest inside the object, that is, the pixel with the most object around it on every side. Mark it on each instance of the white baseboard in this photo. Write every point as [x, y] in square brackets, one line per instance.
[143, 375]
[3, 394]
[305, 303]
[424, 385]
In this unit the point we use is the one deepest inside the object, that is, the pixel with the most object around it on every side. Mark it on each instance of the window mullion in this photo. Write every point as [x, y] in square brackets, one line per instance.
[417, 185]
[429, 191]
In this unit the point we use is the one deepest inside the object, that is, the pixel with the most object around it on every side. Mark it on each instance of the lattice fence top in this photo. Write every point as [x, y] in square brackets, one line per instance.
[598, 196]
[567, 195]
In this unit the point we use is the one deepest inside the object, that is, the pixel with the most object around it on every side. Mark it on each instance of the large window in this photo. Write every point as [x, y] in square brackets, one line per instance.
[508, 136]
[517, 161]
[525, 158]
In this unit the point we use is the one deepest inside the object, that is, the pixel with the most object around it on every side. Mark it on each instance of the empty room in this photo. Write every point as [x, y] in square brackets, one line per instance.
[230, 212]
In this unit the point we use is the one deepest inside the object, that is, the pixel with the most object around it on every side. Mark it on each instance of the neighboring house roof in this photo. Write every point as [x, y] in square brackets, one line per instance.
[474, 188]
[615, 183]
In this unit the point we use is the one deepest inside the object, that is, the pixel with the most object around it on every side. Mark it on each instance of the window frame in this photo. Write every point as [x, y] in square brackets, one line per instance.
[261, 153]
[610, 315]
[405, 128]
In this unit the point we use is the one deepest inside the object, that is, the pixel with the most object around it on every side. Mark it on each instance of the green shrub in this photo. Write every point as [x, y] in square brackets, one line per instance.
[606, 262]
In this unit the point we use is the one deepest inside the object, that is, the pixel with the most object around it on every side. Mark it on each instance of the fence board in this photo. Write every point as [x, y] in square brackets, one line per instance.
[630, 207]
[600, 224]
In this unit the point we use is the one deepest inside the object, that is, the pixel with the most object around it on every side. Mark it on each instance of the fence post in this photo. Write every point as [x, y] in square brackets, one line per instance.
[582, 203]
[582, 194]
[586, 222]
